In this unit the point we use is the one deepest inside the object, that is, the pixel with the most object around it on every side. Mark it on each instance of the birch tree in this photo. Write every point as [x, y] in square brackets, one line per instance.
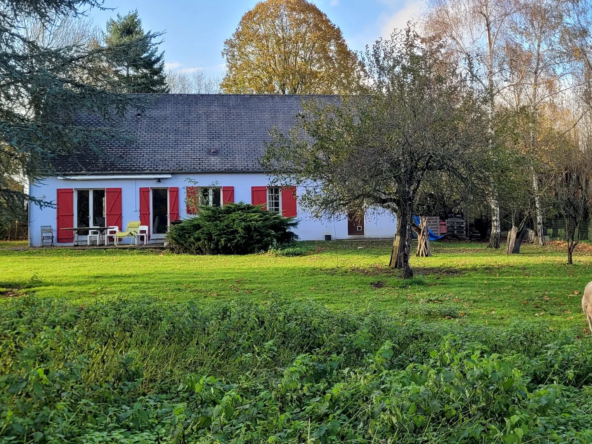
[475, 31]
[537, 66]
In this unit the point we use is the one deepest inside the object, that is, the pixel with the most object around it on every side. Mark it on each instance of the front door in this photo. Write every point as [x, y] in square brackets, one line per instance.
[355, 224]
[160, 212]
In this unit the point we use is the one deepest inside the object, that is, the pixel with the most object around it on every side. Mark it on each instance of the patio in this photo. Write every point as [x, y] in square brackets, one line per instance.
[153, 246]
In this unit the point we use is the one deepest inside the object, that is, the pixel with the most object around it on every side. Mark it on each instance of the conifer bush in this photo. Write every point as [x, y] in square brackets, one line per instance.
[231, 229]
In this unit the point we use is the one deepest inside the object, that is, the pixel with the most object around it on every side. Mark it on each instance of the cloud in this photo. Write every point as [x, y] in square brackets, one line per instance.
[190, 70]
[410, 11]
[172, 65]
[176, 66]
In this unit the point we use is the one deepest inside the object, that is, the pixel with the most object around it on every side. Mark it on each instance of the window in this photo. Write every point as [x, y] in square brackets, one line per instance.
[274, 203]
[210, 197]
[90, 209]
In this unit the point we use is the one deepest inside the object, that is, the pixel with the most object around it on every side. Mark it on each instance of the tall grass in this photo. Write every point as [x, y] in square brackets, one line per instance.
[131, 371]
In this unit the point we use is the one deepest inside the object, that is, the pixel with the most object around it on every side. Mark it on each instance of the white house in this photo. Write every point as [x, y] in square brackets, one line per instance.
[206, 145]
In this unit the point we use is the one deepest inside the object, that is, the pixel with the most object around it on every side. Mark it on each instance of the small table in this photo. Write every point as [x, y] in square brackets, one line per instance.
[101, 230]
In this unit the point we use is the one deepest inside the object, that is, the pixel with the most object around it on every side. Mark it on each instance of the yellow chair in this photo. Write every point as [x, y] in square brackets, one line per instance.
[130, 231]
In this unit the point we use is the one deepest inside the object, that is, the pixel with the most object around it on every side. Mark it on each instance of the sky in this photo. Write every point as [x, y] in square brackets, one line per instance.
[195, 30]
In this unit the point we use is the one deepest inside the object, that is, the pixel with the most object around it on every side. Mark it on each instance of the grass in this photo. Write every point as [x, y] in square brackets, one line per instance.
[13, 244]
[462, 283]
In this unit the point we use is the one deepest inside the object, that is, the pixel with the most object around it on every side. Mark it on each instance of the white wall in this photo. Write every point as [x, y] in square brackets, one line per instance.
[378, 225]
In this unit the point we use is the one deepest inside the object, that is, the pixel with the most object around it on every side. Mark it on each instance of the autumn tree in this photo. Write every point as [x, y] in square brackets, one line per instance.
[288, 47]
[417, 118]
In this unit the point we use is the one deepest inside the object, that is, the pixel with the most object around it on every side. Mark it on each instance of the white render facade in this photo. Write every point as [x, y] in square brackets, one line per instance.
[180, 144]
[376, 225]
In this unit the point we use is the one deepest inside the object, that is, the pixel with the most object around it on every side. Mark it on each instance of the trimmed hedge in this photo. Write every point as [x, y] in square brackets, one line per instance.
[232, 229]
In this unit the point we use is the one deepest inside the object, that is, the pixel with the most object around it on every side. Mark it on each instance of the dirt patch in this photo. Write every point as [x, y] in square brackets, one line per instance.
[379, 284]
[583, 247]
[11, 293]
[417, 271]
[374, 271]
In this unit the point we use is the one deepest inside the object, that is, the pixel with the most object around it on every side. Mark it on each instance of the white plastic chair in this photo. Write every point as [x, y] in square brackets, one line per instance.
[142, 233]
[93, 235]
[110, 233]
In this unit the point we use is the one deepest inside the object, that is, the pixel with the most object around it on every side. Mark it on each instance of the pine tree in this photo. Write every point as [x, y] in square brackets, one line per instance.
[139, 69]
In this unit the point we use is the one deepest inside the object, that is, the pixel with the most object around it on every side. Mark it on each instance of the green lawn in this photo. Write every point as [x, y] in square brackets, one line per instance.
[465, 283]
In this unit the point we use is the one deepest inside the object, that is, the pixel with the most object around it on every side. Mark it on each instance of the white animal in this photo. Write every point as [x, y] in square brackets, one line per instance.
[587, 304]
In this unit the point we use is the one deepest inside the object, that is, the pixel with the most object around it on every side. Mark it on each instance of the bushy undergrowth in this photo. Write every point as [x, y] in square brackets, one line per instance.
[129, 371]
[231, 229]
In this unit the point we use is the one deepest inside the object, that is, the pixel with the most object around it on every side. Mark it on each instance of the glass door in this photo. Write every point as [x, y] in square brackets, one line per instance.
[160, 212]
[90, 209]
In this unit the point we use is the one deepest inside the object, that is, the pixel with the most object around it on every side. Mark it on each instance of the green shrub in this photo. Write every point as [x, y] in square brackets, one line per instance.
[231, 229]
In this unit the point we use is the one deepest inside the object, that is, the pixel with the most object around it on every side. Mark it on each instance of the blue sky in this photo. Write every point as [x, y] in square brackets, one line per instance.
[196, 29]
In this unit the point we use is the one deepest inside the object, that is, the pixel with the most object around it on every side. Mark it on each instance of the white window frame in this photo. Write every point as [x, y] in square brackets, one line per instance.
[91, 208]
[279, 199]
[211, 196]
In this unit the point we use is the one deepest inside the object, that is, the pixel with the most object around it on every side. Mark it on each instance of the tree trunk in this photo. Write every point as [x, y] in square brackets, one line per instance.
[538, 225]
[572, 237]
[511, 239]
[519, 239]
[495, 238]
[516, 236]
[402, 243]
[424, 248]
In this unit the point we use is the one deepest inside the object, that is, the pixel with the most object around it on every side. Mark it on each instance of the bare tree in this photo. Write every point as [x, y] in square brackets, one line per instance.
[192, 83]
[62, 31]
[573, 193]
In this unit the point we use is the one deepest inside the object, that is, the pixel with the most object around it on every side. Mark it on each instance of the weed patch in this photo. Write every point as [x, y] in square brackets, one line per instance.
[128, 371]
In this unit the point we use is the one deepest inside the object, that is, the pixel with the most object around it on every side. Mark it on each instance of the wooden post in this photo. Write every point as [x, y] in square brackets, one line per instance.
[423, 239]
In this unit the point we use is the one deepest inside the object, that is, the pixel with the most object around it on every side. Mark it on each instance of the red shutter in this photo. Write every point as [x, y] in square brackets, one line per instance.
[65, 214]
[113, 203]
[227, 195]
[259, 196]
[173, 204]
[145, 207]
[191, 200]
[289, 205]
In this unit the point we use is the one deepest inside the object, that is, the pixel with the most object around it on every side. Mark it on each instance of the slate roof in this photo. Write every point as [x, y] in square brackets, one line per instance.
[179, 131]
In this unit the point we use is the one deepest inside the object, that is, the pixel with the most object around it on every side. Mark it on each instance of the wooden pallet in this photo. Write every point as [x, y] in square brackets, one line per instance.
[456, 226]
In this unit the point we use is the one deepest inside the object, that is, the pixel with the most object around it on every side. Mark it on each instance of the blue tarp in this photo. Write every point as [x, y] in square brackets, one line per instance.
[433, 236]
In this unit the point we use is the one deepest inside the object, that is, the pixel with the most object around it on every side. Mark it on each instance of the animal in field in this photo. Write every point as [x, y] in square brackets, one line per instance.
[587, 304]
